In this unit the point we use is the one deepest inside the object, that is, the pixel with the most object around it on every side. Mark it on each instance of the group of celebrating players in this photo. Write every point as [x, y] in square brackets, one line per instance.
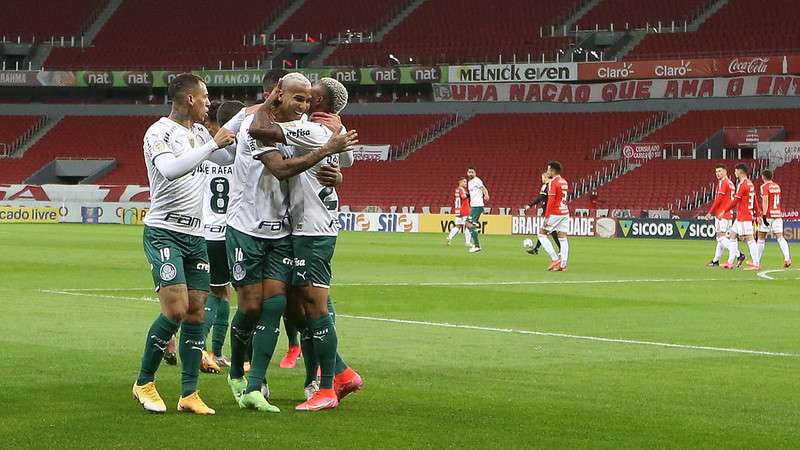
[253, 206]
[753, 219]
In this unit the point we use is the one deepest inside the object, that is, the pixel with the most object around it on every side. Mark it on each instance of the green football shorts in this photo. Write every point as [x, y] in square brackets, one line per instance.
[252, 259]
[176, 258]
[218, 260]
[312, 260]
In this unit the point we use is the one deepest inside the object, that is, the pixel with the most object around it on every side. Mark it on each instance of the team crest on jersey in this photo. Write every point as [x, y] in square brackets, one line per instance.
[168, 272]
[239, 272]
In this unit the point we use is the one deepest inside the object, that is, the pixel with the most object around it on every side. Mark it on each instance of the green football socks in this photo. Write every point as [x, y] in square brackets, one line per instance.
[265, 338]
[190, 349]
[158, 336]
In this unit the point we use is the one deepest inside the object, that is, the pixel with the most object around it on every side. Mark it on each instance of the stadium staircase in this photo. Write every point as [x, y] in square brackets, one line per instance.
[287, 12]
[332, 45]
[612, 150]
[47, 124]
[431, 135]
[15, 131]
[575, 16]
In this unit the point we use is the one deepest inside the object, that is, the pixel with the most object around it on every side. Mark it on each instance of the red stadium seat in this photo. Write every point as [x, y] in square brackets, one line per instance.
[150, 34]
[468, 30]
[741, 27]
[509, 150]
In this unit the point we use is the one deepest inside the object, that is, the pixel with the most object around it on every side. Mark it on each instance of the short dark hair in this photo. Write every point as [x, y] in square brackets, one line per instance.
[766, 173]
[555, 165]
[212, 111]
[720, 166]
[471, 168]
[743, 168]
[227, 110]
[271, 78]
[181, 84]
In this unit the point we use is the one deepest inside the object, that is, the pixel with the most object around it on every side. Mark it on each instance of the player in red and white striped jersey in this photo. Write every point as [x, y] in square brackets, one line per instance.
[744, 200]
[556, 218]
[461, 210]
[773, 218]
[725, 190]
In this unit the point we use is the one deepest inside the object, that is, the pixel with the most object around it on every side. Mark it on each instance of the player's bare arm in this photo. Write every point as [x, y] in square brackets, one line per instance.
[286, 168]
[330, 175]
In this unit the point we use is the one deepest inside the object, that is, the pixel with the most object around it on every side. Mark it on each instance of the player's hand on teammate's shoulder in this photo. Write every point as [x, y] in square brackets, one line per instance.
[330, 121]
[329, 175]
[339, 143]
[224, 138]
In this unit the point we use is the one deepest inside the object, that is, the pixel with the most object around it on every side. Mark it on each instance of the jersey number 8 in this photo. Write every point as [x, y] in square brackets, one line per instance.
[219, 195]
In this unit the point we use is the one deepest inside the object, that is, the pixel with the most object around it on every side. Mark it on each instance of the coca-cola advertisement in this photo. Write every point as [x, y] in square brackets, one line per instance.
[752, 65]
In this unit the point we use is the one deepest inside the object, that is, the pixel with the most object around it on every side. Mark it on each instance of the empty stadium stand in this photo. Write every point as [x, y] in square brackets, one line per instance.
[656, 184]
[638, 14]
[698, 126]
[326, 18]
[87, 137]
[439, 31]
[509, 151]
[152, 34]
[788, 177]
[14, 130]
[40, 20]
[394, 130]
[741, 27]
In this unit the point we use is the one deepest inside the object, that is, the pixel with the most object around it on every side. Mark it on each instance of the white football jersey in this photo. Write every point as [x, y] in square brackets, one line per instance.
[312, 206]
[259, 202]
[175, 205]
[475, 186]
[216, 199]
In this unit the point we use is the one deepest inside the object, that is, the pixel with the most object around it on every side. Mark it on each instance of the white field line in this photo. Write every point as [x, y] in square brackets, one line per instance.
[765, 274]
[489, 283]
[490, 329]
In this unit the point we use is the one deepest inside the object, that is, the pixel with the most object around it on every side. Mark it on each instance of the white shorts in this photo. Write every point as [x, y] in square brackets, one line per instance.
[461, 221]
[743, 228]
[775, 227]
[556, 223]
[722, 225]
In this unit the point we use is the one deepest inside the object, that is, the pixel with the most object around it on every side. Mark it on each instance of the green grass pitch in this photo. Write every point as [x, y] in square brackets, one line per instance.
[70, 355]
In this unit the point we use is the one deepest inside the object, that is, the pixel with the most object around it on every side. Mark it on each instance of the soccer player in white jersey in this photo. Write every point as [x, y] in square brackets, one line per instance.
[772, 219]
[173, 238]
[259, 247]
[477, 194]
[215, 207]
[315, 228]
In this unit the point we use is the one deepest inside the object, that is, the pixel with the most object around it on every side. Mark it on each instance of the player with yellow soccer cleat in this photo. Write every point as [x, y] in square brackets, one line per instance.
[194, 404]
[207, 364]
[148, 397]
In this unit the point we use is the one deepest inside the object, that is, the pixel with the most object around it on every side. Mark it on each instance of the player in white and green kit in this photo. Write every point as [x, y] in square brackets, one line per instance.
[259, 247]
[174, 147]
[215, 207]
[315, 226]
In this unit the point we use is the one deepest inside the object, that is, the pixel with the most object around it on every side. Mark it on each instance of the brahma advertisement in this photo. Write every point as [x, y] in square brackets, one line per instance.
[578, 226]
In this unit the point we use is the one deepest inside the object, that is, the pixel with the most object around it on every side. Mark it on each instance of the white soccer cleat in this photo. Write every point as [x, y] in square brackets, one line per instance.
[265, 390]
[474, 249]
[311, 389]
